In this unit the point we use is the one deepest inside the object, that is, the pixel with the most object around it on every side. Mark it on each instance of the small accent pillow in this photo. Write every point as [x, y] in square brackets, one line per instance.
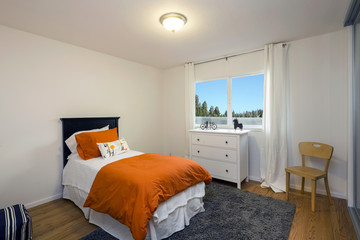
[71, 141]
[110, 149]
[87, 147]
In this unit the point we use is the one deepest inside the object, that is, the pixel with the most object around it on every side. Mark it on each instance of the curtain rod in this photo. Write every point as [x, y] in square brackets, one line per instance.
[234, 55]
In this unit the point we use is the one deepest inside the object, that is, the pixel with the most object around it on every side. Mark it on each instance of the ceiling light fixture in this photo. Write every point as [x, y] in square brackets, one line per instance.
[173, 21]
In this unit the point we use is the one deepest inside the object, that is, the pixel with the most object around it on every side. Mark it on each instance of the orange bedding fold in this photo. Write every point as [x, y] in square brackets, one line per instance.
[131, 189]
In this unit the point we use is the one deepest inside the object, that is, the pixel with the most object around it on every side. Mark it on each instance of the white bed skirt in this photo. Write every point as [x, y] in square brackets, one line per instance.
[171, 216]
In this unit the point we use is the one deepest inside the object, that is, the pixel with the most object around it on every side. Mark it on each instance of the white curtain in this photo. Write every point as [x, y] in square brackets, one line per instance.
[189, 102]
[275, 117]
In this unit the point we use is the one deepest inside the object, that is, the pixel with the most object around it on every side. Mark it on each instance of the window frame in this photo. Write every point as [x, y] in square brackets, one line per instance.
[229, 78]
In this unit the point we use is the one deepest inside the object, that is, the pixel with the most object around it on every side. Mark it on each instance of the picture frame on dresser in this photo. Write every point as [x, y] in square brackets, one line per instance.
[223, 152]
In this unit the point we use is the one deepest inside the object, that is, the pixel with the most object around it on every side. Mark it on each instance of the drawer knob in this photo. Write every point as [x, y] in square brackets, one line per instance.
[226, 155]
[198, 140]
[198, 151]
[226, 142]
[227, 170]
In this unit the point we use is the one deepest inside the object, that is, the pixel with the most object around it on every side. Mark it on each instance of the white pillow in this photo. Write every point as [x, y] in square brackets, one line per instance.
[110, 149]
[71, 141]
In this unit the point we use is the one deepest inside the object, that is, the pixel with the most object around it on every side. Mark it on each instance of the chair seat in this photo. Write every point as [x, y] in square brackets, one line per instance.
[307, 172]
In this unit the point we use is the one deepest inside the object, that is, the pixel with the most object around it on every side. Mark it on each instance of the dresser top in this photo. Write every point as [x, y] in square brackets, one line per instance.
[221, 131]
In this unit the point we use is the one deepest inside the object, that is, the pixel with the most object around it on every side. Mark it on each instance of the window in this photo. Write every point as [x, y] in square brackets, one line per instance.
[211, 102]
[248, 99]
[223, 100]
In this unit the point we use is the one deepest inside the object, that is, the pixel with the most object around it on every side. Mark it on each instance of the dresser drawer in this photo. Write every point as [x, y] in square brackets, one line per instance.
[214, 140]
[218, 169]
[213, 153]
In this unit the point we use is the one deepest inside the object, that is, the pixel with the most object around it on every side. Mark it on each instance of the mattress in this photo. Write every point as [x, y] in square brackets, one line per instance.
[171, 216]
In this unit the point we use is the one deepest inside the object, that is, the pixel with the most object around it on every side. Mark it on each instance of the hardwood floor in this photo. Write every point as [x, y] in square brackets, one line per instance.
[61, 219]
[327, 222]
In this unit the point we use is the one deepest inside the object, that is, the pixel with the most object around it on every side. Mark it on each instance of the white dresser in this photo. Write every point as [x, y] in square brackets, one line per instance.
[223, 152]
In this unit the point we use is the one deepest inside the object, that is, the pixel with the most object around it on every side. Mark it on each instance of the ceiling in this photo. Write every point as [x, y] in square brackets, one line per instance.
[130, 29]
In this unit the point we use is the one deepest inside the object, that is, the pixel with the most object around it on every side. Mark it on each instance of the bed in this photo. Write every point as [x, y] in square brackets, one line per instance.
[78, 176]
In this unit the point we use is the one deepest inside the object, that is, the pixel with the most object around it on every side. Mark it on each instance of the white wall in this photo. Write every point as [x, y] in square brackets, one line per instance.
[318, 106]
[42, 80]
[173, 89]
[318, 74]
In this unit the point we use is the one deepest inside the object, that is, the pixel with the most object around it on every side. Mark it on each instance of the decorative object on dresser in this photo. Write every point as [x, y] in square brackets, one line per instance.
[224, 153]
[237, 124]
[208, 125]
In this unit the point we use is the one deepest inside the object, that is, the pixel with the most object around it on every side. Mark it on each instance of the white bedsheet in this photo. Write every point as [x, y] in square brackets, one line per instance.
[81, 173]
[170, 216]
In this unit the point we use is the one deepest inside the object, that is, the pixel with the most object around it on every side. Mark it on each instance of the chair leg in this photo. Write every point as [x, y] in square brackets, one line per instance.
[287, 185]
[313, 194]
[328, 190]
[302, 185]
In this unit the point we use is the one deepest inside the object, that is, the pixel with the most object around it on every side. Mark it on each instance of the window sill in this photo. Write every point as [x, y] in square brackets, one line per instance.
[250, 128]
[254, 129]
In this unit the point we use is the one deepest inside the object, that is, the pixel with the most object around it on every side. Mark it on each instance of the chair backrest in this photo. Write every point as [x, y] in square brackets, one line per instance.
[318, 150]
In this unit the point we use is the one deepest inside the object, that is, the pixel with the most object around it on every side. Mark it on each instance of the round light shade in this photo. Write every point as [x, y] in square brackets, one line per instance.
[173, 21]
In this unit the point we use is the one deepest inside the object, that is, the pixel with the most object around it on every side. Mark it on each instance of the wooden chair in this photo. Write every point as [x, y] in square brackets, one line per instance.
[311, 149]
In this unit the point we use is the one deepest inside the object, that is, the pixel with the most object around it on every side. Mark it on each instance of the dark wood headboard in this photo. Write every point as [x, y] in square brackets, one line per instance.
[72, 125]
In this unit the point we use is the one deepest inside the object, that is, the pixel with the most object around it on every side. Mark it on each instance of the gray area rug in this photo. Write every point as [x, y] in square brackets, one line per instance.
[232, 214]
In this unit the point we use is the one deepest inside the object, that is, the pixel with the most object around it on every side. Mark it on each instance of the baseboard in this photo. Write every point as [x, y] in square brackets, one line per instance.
[257, 179]
[42, 201]
[319, 191]
[307, 189]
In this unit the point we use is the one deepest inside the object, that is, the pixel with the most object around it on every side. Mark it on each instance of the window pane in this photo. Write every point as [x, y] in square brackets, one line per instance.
[248, 99]
[211, 102]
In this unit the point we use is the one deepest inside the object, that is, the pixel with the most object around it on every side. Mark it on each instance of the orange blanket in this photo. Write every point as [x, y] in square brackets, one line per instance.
[131, 189]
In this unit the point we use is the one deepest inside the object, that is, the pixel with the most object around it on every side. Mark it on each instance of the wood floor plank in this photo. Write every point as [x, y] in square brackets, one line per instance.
[61, 219]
